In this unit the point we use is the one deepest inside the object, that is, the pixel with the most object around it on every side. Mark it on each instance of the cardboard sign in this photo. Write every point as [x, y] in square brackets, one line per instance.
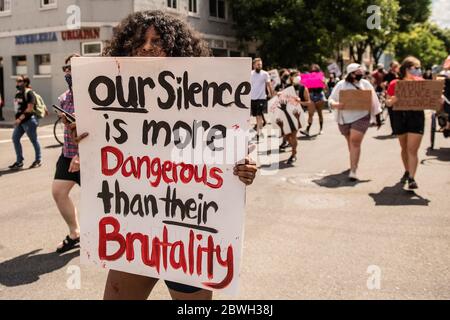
[418, 95]
[356, 99]
[159, 197]
[286, 112]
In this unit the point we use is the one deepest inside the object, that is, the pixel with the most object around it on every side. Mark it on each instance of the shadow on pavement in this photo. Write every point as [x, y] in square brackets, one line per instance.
[4, 172]
[442, 154]
[28, 268]
[398, 196]
[338, 181]
[386, 137]
[54, 146]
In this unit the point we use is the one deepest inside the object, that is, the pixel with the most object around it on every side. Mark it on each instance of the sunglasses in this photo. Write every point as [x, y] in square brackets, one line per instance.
[67, 68]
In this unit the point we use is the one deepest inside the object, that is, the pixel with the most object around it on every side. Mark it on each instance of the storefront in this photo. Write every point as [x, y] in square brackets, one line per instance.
[41, 55]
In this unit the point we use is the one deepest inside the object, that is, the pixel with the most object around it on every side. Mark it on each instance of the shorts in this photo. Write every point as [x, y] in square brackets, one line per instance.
[360, 125]
[183, 288]
[62, 171]
[258, 107]
[317, 96]
[408, 122]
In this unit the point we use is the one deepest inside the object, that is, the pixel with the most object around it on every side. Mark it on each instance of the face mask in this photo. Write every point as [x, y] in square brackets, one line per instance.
[416, 72]
[358, 77]
[69, 80]
[20, 87]
[285, 78]
[296, 80]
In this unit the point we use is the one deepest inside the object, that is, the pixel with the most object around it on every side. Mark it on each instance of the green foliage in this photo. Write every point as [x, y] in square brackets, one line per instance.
[301, 32]
[421, 43]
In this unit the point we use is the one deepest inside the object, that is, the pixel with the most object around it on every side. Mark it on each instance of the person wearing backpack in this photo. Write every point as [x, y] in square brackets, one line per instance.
[26, 122]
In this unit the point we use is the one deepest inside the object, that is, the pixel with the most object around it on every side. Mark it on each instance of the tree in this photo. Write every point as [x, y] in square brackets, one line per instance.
[289, 32]
[421, 43]
[413, 12]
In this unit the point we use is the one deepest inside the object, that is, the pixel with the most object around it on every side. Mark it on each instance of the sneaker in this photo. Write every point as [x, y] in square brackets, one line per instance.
[16, 166]
[352, 176]
[320, 132]
[36, 164]
[412, 184]
[291, 159]
[405, 177]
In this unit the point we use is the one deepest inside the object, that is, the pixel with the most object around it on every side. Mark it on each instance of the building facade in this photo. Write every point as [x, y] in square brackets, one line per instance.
[37, 35]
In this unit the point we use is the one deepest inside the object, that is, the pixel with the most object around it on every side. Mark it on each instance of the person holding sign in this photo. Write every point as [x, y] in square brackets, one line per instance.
[408, 125]
[156, 34]
[318, 100]
[67, 172]
[353, 123]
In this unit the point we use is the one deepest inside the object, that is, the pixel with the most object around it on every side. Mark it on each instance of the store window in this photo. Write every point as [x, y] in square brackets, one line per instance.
[217, 9]
[172, 4]
[42, 64]
[193, 6]
[5, 6]
[91, 49]
[48, 4]
[19, 65]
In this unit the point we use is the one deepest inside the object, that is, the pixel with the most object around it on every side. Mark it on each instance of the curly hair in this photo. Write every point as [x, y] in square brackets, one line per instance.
[178, 39]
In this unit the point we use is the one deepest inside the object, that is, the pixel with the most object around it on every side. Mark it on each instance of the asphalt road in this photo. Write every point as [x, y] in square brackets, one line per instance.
[309, 234]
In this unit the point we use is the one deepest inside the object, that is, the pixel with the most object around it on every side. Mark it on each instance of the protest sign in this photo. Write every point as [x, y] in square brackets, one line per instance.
[334, 68]
[356, 99]
[286, 112]
[418, 95]
[274, 78]
[159, 197]
[313, 80]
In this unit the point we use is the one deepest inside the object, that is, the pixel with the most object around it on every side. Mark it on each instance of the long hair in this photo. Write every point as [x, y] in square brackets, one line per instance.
[408, 63]
[178, 39]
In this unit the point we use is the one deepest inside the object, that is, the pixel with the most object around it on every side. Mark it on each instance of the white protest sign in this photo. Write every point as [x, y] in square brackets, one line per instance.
[274, 77]
[159, 197]
[334, 68]
[286, 112]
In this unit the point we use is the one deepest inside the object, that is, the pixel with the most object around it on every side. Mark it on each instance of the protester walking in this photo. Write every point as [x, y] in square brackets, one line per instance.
[261, 85]
[67, 173]
[353, 124]
[26, 122]
[318, 102]
[390, 76]
[408, 125]
[303, 98]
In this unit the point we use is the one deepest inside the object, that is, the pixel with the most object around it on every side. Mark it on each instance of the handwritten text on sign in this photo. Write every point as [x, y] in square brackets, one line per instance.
[418, 95]
[159, 197]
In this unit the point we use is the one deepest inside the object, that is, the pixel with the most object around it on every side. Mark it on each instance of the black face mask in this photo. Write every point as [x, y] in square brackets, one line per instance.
[285, 78]
[358, 77]
[20, 87]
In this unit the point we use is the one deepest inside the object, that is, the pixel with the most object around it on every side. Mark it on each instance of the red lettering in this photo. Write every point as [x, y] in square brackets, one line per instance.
[119, 157]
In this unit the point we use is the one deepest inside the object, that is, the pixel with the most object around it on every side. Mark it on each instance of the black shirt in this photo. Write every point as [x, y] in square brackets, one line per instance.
[22, 103]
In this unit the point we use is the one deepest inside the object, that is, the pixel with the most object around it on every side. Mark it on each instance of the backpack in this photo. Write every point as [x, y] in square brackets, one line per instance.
[40, 109]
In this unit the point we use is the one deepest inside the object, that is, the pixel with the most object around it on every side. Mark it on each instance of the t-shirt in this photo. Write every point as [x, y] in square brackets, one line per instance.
[379, 77]
[350, 116]
[391, 88]
[258, 81]
[21, 103]
[390, 76]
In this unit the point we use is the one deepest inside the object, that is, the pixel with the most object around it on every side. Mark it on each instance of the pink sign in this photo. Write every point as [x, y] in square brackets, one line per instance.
[313, 80]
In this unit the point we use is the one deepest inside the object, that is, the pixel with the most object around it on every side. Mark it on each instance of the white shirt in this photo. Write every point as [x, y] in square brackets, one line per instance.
[349, 116]
[259, 81]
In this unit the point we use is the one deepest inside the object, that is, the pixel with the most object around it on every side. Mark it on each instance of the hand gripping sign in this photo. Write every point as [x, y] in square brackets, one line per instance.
[159, 197]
